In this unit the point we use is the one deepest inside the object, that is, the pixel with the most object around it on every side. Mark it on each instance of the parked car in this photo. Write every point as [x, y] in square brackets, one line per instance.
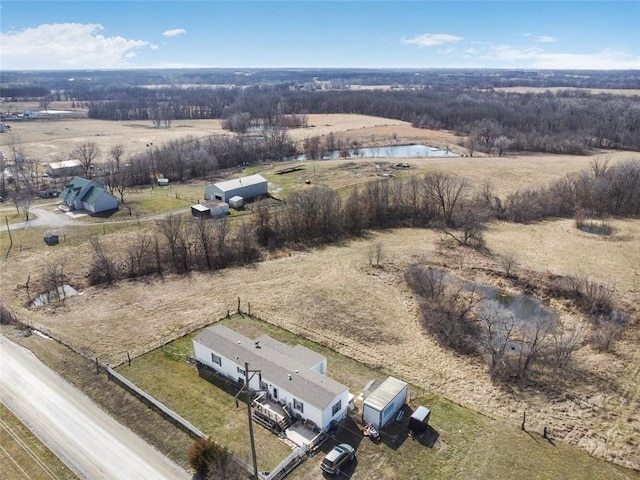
[338, 457]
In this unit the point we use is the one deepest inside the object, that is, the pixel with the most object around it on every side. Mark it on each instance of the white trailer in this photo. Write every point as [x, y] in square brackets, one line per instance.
[383, 403]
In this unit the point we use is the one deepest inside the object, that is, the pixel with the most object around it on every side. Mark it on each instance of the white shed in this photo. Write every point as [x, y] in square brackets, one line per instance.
[236, 202]
[246, 187]
[383, 403]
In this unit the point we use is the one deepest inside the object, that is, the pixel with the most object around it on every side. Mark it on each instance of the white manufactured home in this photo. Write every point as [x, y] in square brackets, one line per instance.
[245, 187]
[292, 377]
[383, 403]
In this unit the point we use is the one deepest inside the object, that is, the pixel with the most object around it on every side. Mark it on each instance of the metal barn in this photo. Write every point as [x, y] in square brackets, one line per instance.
[245, 187]
[383, 403]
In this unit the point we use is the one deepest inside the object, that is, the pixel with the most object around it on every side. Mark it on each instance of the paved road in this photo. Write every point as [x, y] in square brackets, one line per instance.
[88, 440]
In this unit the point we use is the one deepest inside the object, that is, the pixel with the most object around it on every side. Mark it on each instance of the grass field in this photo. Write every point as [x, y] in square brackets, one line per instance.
[23, 455]
[468, 445]
[331, 295]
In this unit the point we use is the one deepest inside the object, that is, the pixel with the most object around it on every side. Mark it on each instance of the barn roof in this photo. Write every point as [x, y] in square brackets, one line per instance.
[277, 365]
[236, 183]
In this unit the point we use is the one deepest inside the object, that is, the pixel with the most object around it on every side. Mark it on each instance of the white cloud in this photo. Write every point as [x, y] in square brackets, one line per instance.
[546, 39]
[534, 57]
[63, 46]
[176, 32]
[431, 39]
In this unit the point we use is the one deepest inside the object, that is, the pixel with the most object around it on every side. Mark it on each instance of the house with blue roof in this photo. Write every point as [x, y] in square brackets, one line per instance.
[83, 194]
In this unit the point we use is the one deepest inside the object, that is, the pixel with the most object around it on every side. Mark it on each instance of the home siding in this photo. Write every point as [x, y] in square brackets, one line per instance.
[228, 368]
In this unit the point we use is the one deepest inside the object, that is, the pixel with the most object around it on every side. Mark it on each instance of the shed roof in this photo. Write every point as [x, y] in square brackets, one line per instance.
[199, 207]
[65, 164]
[240, 182]
[386, 392]
[276, 366]
[421, 413]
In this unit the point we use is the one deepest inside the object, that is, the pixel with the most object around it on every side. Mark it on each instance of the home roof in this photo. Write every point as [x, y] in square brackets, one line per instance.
[302, 354]
[240, 182]
[275, 365]
[92, 195]
[386, 392]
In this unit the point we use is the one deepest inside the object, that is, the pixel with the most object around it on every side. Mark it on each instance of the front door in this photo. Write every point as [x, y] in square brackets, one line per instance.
[275, 393]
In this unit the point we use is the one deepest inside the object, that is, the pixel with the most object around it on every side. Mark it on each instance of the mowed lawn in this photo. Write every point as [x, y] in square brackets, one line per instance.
[460, 443]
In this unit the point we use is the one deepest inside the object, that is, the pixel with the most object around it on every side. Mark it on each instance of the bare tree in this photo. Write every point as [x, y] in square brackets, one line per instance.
[54, 280]
[139, 255]
[509, 262]
[102, 268]
[203, 228]
[116, 154]
[87, 153]
[537, 337]
[446, 192]
[498, 332]
[565, 342]
[23, 200]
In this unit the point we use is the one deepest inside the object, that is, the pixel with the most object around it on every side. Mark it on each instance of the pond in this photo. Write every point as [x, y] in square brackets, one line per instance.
[54, 296]
[392, 151]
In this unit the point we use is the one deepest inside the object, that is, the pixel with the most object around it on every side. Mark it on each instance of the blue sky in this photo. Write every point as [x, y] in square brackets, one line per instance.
[93, 34]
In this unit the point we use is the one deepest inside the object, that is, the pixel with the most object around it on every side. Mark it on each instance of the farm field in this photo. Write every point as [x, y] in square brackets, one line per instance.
[332, 296]
[461, 443]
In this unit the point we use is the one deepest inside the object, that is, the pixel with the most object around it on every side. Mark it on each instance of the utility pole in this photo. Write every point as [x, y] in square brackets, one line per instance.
[153, 167]
[249, 399]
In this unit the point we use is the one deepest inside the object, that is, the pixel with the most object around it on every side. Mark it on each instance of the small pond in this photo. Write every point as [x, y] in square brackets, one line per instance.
[54, 296]
[395, 151]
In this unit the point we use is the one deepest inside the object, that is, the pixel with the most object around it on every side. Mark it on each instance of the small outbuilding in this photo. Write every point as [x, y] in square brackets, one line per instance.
[163, 182]
[51, 238]
[217, 209]
[200, 210]
[381, 404]
[245, 187]
[419, 420]
[65, 168]
[236, 202]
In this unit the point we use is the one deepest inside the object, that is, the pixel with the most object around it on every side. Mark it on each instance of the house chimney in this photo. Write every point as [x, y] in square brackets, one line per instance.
[289, 376]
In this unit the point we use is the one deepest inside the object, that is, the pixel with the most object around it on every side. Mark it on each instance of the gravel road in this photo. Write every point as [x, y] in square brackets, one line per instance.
[90, 442]
[44, 218]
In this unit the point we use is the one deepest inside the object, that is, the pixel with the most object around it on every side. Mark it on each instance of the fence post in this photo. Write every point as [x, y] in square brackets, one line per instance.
[97, 367]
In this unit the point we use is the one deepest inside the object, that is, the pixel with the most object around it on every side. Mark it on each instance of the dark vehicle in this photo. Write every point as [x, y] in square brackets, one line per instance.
[339, 456]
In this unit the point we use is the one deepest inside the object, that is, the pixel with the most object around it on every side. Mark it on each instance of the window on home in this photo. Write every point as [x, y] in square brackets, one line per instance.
[336, 408]
[240, 370]
[298, 405]
[216, 359]
[263, 386]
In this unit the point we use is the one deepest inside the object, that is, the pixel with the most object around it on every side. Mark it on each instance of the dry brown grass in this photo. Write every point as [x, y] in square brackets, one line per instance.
[332, 295]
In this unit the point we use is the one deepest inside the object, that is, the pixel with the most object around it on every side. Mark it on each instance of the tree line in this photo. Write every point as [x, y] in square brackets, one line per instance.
[318, 215]
[563, 122]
